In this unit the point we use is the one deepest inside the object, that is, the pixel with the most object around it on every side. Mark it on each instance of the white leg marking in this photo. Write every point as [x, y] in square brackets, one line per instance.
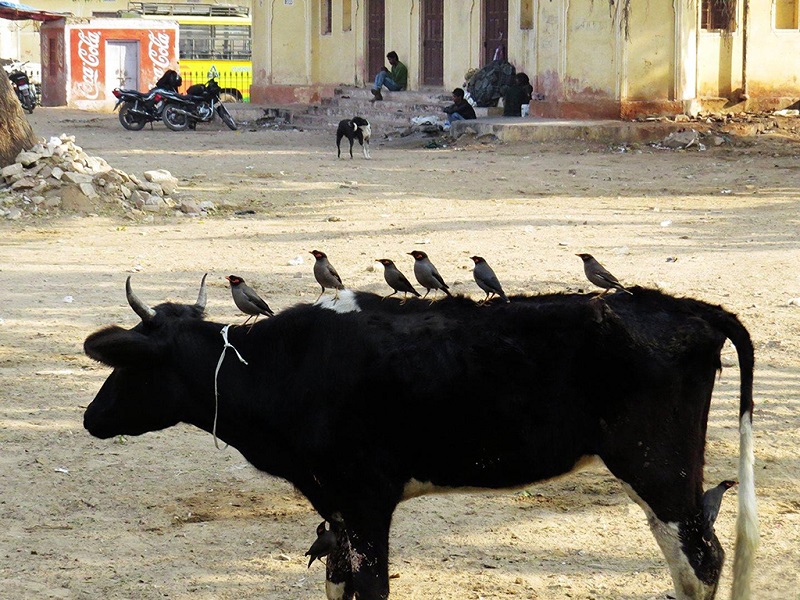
[334, 591]
[747, 520]
[687, 585]
[345, 303]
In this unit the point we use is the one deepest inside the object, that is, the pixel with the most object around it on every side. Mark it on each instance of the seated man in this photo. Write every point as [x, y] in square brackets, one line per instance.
[460, 110]
[394, 80]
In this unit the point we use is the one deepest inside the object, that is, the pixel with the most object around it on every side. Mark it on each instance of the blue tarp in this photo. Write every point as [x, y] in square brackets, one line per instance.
[19, 12]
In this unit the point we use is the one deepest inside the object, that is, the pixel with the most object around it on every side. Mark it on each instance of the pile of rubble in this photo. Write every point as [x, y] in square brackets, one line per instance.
[58, 176]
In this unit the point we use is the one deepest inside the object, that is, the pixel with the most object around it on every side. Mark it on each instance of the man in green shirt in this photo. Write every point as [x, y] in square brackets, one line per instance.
[394, 80]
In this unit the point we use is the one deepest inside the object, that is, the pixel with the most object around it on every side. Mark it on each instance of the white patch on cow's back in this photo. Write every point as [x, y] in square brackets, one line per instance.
[687, 585]
[345, 303]
[414, 488]
[334, 591]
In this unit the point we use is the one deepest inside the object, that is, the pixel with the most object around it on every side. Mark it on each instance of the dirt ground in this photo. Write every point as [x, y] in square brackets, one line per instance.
[166, 515]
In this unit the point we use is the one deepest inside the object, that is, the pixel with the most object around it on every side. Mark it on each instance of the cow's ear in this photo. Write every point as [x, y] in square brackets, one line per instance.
[118, 347]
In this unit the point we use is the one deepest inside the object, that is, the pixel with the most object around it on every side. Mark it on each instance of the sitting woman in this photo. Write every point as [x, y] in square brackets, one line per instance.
[516, 95]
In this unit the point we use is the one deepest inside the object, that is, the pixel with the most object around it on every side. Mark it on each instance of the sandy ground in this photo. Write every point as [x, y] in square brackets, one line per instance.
[168, 515]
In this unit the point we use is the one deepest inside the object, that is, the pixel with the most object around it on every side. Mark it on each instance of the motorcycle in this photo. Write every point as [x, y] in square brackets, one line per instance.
[200, 105]
[23, 88]
[137, 109]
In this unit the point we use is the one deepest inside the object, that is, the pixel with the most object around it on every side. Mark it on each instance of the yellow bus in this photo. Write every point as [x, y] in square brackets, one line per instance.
[215, 41]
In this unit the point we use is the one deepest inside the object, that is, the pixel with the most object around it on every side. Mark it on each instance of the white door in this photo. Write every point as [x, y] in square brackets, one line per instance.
[122, 65]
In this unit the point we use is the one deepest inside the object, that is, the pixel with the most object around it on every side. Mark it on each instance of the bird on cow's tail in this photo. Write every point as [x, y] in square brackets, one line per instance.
[247, 300]
[325, 274]
[486, 279]
[599, 275]
[396, 280]
[712, 500]
[427, 275]
[323, 545]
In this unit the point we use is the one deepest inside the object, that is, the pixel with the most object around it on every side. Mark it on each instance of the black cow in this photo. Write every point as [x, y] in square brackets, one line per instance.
[362, 403]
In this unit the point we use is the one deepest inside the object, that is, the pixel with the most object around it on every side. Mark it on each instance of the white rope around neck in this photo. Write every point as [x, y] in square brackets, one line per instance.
[225, 347]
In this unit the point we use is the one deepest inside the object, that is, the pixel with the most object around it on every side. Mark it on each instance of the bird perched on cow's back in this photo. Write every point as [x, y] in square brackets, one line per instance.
[396, 280]
[599, 275]
[712, 500]
[247, 300]
[486, 279]
[427, 275]
[325, 274]
[324, 544]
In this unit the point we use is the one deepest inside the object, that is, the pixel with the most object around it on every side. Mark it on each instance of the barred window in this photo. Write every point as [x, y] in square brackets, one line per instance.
[718, 15]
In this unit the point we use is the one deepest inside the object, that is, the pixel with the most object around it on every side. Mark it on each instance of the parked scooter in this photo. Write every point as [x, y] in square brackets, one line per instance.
[23, 88]
[201, 104]
[137, 109]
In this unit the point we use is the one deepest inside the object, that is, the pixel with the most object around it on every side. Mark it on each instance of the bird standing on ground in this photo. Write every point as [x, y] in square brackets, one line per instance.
[486, 279]
[599, 275]
[711, 503]
[247, 300]
[326, 275]
[396, 280]
[323, 545]
[427, 275]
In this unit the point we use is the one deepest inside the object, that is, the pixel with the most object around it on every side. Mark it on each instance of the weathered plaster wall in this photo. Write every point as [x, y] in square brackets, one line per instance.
[650, 52]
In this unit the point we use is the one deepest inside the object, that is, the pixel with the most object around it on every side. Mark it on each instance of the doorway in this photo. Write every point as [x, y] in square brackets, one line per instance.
[433, 43]
[122, 65]
[495, 28]
[376, 37]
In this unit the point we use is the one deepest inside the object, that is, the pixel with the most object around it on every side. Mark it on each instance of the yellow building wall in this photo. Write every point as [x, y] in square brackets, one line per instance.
[650, 51]
[462, 40]
[590, 56]
[772, 71]
[773, 54]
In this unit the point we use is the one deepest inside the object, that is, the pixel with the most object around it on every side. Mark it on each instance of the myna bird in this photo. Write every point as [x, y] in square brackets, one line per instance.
[486, 279]
[711, 503]
[247, 300]
[427, 275]
[598, 275]
[396, 280]
[325, 274]
[323, 545]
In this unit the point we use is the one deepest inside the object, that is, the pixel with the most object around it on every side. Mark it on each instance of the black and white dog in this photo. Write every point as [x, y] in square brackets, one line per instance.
[356, 128]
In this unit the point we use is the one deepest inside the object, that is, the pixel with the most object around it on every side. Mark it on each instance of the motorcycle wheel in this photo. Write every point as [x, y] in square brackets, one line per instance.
[173, 119]
[129, 120]
[29, 106]
[226, 117]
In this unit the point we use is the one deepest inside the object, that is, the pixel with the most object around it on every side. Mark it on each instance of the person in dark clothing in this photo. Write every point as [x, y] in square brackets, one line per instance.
[516, 95]
[460, 109]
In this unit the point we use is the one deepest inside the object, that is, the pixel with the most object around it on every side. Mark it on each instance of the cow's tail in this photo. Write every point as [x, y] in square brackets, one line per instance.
[747, 520]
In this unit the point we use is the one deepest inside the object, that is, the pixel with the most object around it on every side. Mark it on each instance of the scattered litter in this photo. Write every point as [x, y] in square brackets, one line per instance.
[61, 470]
[679, 140]
[297, 260]
[787, 112]
[725, 192]
[425, 241]
[334, 219]
[284, 557]
[622, 251]
[794, 302]
[68, 299]
[672, 259]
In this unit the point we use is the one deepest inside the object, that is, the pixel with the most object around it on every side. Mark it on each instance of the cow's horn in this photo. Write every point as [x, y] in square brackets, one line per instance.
[202, 297]
[140, 308]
